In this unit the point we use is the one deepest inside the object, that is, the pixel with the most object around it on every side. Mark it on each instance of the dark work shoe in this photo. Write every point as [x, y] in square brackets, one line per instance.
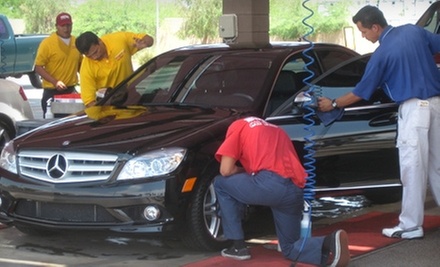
[236, 254]
[335, 249]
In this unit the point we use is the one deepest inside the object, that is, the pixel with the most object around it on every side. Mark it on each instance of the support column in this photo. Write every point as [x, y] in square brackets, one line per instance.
[252, 22]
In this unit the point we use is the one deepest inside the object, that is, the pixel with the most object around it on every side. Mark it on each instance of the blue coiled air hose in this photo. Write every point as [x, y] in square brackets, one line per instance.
[309, 160]
[309, 157]
[309, 105]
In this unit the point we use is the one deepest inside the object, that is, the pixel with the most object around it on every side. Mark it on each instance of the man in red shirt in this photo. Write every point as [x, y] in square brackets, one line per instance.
[270, 175]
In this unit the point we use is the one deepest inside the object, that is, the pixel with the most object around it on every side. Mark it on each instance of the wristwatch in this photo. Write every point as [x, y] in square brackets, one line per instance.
[334, 104]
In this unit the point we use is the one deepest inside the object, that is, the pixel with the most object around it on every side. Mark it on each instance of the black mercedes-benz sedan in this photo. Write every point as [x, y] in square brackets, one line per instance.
[142, 160]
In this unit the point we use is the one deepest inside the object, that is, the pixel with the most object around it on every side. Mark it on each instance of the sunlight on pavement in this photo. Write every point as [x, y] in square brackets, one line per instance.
[30, 263]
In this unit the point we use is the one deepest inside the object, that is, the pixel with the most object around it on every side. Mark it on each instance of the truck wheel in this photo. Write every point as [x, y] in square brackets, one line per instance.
[203, 223]
[35, 80]
[7, 133]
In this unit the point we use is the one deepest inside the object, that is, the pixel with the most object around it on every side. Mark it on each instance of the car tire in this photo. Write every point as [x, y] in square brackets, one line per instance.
[7, 133]
[203, 225]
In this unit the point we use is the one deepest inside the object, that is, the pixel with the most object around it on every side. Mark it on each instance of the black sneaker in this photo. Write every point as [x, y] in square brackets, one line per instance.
[236, 254]
[335, 249]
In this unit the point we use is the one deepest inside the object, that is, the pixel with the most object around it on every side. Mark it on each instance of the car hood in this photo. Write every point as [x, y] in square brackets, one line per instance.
[130, 130]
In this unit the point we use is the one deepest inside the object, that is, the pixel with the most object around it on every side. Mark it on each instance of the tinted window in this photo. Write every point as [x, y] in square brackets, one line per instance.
[348, 75]
[3, 31]
[345, 76]
[331, 58]
[157, 81]
[228, 81]
[430, 19]
[296, 66]
[152, 84]
[299, 70]
[156, 86]
[432, 24]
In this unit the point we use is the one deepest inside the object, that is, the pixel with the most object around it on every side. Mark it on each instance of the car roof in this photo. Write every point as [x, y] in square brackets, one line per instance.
[291, 45]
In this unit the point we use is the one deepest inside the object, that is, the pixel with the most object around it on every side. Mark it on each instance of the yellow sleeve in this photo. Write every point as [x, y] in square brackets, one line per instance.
[42, 53]
[87, 82]
[130, 36]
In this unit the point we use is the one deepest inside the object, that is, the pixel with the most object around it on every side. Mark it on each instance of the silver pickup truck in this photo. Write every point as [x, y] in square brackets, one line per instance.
[17, 53]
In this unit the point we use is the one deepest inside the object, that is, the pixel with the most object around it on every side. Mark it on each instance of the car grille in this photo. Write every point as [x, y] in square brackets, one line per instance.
[65, 213]
[65, 167]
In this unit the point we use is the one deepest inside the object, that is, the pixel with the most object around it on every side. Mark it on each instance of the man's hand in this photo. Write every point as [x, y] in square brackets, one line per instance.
[91, 104]
[60, 86]
[228, 166]
[146, 41]
[325, 104]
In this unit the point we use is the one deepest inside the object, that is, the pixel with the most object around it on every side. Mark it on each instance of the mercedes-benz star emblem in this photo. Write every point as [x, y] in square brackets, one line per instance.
[56, 167]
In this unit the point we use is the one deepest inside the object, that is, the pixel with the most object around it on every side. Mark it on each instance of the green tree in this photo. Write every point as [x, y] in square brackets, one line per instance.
[287, 16]
[202, 19]
[285, 19]
[11, 8]
[40, 15]
[105, 16]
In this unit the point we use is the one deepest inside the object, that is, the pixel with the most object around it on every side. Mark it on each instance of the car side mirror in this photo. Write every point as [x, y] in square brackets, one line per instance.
[303, 99]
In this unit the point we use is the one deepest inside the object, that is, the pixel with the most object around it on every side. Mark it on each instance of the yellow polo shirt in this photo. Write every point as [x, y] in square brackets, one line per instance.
[60, 60]
[108, 72]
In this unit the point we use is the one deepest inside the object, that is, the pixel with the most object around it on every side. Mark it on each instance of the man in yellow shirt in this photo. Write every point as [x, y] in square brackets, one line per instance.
[58, 61]
[107, 60]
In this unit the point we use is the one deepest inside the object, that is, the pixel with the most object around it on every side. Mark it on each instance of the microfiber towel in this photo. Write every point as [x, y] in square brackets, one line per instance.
[329, 117]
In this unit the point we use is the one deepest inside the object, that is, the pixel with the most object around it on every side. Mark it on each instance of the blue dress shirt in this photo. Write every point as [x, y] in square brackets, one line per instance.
[403, 65]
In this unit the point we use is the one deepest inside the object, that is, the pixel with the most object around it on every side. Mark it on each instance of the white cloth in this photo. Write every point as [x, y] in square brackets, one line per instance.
[418, 140]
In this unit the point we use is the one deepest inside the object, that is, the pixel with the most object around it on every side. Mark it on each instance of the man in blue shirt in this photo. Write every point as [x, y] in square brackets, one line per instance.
[403, 66]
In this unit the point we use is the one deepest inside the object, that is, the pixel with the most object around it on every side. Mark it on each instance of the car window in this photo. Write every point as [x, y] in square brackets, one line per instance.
[300, 70]
[330, 58]
[432, 24]
[228, 81]
[290, 80]
[430, 19]
[345, 75]
[3, 31]
[154, 83]
[156, 86]
[334, 83]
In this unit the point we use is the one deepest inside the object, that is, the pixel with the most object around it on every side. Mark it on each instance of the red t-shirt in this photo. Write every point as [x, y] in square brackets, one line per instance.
[259, 145]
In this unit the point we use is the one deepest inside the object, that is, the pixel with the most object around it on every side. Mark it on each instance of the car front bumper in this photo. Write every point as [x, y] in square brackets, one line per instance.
[116, 207]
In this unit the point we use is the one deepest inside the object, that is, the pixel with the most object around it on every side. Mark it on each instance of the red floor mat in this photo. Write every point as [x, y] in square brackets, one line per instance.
[364, 234]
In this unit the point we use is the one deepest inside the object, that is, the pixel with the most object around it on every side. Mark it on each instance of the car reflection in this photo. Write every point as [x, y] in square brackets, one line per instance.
[333, 207]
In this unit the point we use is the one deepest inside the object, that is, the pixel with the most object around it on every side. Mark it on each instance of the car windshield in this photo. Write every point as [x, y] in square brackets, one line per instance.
[227, 81]
[213, 81]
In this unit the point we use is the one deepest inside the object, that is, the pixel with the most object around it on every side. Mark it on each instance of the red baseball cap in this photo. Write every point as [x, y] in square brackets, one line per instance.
[63, 19]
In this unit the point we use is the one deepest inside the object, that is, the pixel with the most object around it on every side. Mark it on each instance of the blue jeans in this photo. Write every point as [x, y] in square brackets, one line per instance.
[286, 202]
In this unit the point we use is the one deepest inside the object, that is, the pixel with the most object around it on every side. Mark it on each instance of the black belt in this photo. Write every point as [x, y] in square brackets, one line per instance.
[70, 88]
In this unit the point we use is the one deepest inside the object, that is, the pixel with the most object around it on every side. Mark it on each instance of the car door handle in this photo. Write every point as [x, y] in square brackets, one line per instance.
[384, 120]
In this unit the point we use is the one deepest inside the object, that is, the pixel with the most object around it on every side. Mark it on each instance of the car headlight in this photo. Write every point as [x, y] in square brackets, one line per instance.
[154, 163]
[8, 159]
